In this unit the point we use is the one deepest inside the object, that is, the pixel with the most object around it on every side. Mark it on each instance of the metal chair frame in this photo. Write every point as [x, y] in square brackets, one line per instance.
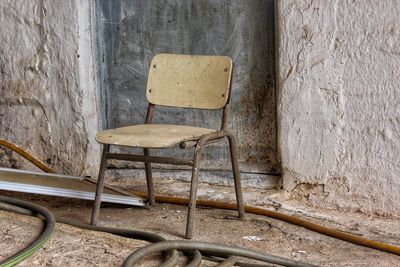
[198, 145]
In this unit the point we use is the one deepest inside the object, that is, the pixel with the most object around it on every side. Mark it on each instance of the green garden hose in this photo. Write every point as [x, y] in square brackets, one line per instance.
[38, 243]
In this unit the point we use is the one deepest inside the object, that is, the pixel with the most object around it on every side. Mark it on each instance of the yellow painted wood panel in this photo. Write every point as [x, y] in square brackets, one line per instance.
[189, 81]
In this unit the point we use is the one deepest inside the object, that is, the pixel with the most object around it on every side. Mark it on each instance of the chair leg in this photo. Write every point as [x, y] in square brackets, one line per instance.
[236, 175]
[193, 191]
[100, 185]
[149, 179]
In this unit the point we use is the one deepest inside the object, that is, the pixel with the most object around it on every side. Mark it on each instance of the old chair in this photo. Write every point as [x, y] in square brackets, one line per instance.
[196, 82]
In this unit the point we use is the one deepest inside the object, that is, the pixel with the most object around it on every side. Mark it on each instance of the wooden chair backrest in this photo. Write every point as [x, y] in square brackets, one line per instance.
[185, 81]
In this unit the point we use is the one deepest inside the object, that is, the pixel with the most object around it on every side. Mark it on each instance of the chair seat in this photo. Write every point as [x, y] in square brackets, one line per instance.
[151, 135]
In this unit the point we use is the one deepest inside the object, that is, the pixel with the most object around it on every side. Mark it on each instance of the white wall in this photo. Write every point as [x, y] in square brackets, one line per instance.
[339, 102]
[47, 91]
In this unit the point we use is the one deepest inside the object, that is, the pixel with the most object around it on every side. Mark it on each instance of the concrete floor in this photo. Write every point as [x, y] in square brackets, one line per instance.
[71, 246]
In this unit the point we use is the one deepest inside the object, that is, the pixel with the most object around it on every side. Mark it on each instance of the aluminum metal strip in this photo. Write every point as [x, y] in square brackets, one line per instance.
[51, 191]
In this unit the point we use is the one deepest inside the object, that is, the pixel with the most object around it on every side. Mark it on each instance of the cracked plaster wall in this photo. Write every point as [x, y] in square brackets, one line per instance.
[47, 81]
[338, 102]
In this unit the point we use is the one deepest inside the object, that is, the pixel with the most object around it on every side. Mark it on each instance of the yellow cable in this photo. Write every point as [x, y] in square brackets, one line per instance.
[26, 155]
[250, 209]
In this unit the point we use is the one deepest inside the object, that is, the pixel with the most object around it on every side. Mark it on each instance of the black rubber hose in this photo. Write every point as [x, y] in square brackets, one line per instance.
[196, 257]
[128, 233]
[210, 248]
[173, 254]
[26, 208]
[43, 237]
[188, 247]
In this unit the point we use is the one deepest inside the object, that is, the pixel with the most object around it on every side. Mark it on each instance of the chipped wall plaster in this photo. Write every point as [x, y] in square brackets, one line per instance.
[47, 102]
[339, 102]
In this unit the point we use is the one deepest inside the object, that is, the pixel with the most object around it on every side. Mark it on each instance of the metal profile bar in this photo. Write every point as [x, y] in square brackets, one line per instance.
[61, 186]
[68, 193]
[147, 158]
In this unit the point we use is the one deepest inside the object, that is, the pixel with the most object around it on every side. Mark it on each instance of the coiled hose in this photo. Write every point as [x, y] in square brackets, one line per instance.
[192, 249]
[210, 249]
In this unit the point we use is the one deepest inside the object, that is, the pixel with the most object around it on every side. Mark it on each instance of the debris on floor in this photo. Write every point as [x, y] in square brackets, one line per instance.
[252, 238]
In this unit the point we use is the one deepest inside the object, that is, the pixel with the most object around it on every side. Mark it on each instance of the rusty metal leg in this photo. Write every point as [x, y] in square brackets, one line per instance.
[100, 185]
[193, 190]
[149, 179]
[236, 175]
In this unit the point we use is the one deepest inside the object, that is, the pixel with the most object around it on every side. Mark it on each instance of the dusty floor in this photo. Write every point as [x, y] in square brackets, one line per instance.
[71, 246]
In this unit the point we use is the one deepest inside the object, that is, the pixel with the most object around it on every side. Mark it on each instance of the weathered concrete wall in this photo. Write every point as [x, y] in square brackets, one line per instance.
[45, 105]
[339, 102]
